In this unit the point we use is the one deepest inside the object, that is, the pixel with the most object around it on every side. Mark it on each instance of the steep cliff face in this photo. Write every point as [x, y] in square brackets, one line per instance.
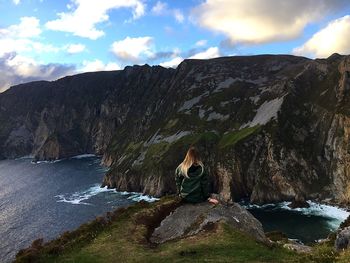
[73, 115]
[269, 127]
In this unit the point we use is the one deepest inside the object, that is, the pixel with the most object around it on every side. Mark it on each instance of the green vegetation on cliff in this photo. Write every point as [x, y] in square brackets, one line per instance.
[231, 138]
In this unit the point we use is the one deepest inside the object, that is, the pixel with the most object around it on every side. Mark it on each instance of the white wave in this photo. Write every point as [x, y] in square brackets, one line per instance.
[77, 198]
[135, 196]
[254, 206]
[140, 197]
[85, 155]
[53, 161]
[335, 214]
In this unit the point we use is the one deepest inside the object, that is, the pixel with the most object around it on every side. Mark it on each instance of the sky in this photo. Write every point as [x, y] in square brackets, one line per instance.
[49, 39]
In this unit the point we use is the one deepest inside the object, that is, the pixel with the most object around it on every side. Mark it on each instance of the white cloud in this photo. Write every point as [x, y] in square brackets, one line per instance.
[75, 48]
[331, 39]
[173, 63]
[133, 49]
[83, 16]
[159, 8]
[18, 69]
[28, 27]
[23, 38]
[201, 43]
[16, 2]
[179, 16]
[262, 21]
[162, 9]
[98, 65]
[212, 52]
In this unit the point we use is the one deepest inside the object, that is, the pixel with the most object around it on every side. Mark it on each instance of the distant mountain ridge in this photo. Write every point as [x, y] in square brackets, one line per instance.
[270, 127]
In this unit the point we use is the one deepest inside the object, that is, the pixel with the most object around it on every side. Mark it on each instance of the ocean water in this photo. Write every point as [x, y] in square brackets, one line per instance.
[42, 200]
[307, 225]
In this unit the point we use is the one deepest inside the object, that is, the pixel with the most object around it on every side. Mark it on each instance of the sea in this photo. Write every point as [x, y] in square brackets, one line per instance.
[45, 199]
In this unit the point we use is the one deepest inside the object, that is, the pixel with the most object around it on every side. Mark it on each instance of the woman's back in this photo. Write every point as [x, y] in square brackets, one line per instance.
[193, 187]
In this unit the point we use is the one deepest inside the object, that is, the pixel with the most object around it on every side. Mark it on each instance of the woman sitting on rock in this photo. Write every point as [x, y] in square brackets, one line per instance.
[192, 179]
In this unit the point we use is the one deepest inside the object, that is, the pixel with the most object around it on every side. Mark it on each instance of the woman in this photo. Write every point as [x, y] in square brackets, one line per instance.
[192, 179]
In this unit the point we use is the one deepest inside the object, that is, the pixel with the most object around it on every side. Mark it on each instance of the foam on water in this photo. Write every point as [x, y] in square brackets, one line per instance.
[85, 155]
[40, 162]
[335, 214]
[79, 197]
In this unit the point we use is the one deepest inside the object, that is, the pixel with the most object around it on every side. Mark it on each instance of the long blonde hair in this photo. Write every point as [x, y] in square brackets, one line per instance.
[192, 157]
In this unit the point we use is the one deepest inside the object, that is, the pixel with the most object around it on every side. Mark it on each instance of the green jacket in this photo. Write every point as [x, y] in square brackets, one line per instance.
[193, 189]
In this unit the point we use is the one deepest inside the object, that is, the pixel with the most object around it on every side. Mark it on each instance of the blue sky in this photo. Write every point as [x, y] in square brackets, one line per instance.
[47, 39]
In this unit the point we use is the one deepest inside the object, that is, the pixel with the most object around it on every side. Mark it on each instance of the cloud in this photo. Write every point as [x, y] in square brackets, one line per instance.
[16, 2]
[83, 16]
[98, 65]
[331, 39]
[173, 63]
[18, 69]
[159, 8]
[201, 43]
[212, 52]
[75, 48]
[133, 50]
[23, 37]
[179, 16]
[162, 9]
[262, 21]
[28, 27]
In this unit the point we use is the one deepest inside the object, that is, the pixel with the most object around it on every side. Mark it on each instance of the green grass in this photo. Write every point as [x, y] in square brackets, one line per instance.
[122, 237]
[231, 138]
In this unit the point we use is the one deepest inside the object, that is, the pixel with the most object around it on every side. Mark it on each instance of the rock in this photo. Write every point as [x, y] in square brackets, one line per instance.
[189, 219]
[299, 248]
[342, 240]
[299, 202]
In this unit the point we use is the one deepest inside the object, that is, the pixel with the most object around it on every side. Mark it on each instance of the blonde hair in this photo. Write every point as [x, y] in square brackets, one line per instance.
[192, 157]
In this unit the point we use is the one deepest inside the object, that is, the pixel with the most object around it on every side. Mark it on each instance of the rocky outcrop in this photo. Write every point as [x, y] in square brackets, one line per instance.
[270, 128]
[343, 239]
[190, 219]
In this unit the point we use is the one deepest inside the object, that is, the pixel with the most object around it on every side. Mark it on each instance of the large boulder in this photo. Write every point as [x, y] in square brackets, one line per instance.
[343, 239]
[189, 219]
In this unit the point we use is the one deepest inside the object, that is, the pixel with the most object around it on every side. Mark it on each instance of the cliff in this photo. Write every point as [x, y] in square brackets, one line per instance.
[270, 127]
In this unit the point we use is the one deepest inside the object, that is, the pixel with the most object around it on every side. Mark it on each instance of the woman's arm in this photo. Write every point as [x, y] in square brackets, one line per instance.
[205, 188]
[178, 180]
[205, 184]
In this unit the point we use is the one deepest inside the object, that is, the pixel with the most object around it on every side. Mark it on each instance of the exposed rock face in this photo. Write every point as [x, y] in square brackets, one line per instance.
[269, 127]
[343, 239]
[299, 202]
[189, 219]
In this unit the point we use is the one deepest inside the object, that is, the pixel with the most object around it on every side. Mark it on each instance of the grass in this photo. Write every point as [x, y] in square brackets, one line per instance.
[122, 236]
[231, 138]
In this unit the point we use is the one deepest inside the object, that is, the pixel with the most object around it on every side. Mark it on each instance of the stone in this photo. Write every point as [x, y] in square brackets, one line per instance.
[190, 219]
[299, 202]
[342, 240]
[299, 248]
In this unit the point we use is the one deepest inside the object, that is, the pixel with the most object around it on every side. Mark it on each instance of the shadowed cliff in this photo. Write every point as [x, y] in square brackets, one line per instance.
[270, 127]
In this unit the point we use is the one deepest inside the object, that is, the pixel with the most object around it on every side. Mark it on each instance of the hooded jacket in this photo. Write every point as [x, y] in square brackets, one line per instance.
[194, 188]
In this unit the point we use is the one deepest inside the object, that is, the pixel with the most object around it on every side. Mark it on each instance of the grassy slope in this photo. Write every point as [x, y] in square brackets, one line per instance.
[122, 237]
